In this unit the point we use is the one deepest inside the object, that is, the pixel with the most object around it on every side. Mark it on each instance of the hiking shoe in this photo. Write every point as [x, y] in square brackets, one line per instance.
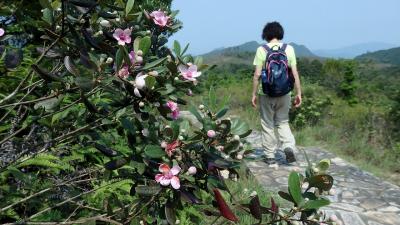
[289, 155]
[271, 162]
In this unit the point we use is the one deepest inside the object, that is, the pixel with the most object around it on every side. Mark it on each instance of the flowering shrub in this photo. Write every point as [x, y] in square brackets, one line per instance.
[93, 130]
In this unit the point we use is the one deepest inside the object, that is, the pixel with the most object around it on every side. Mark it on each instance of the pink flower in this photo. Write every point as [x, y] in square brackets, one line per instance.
[123, 72]
[192, 170]
[132, 56]
[168, 176]
[170, 147]
[189, 73]
[174, 109]
[123, 36]
[160, 18]
[2, 31]
[211, 133]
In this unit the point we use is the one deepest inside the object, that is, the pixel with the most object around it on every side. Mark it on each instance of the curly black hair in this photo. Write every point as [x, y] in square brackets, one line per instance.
[272, 30]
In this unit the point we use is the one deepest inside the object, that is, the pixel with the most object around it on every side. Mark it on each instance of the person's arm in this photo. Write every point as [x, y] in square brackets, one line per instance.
[297, 86]
[256, 79]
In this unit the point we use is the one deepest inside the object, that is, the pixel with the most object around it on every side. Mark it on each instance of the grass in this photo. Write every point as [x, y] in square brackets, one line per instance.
[356, 133]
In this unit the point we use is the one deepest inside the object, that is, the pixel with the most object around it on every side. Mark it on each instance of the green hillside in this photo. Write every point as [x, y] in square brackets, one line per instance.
[390, 56]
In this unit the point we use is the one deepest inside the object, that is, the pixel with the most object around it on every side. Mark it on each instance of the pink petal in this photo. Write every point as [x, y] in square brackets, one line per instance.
[159, 177]
[197, 74]
[128, 39]
[183, 69]
[175, 170]
[165, 182]
[175, 183]
[127, 32]
[2, 32]
[121, 42]
[175, 114]
[164, 168]
[193, 68]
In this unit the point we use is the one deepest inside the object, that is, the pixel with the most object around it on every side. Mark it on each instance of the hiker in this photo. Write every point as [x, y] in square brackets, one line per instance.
[275, 64]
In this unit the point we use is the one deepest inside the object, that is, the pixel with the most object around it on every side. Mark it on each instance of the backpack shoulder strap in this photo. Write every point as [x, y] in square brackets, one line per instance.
[284, 46]
[267, 48]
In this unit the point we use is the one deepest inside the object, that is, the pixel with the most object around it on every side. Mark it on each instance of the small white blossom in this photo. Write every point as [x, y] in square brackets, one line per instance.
[224, 174]
[254, 193]
[105, 23]
[145, 132]
[109, 60]
[141, 104]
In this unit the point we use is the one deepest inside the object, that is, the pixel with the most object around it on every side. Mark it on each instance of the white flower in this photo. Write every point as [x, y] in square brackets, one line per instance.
[224, 174]
[157, 104]
[315, 170]
[183, 131]
[239, 156]
[245, 190]
[254, 193]
[201, 107]
[181, 137]
[236, 138]
[141, 104]
[176, 78]
[140, 81]
[117, 19]
[137, 93]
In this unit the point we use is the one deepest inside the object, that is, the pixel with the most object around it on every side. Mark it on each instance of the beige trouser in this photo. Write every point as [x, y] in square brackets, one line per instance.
[275, 114]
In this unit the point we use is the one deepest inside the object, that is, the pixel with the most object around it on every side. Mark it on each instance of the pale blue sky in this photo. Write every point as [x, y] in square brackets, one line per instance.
[318, 24]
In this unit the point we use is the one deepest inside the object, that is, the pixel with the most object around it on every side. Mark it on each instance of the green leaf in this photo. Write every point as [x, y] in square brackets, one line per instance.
[147, 190]
[129, 6]
[49, 104]
[221, 113]
[128, 125]
[177, 48]
[125, 55]
[295, 188]
[185, 49]
[154, 151]
[239, 127]
[48, 15]
[119, 58]
[69, 64]
[145, 44]
[45, 3]
[316, 204]
[196, 113]
[150, 82]
[154, 63]
[84, 83]
[136, 44]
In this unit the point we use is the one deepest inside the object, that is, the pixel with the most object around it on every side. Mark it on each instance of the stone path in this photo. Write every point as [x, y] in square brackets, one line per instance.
[360, 198]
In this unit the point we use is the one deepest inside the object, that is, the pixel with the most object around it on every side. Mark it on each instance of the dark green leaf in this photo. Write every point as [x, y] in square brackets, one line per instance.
[170, 213]
[128, 125]
[255, 207]
[116, 164]
[322, 182]
[147, 190]
[196, 113]
[69, 64]
[239, 127]
[221, 113]
[119, 57]
[177, 48]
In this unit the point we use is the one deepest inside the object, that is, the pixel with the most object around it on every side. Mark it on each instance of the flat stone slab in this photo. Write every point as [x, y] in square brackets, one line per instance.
[360, 198]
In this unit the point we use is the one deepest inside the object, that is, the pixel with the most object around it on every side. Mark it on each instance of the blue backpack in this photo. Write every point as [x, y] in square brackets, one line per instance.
[276, 76]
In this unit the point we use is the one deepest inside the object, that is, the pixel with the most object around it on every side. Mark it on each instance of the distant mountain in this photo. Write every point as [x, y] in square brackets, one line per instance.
[389, 56]
[301, 50]
[352, 51]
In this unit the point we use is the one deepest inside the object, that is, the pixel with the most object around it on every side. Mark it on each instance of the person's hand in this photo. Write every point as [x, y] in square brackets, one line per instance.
[254, 101]
[297, 101]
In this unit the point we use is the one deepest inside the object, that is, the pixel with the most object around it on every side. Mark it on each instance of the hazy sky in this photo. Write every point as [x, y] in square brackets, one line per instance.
[318, 24]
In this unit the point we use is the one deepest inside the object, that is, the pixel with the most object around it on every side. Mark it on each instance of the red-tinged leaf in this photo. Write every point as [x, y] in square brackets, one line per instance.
[255, 207]
[274, 206]
[223, 207]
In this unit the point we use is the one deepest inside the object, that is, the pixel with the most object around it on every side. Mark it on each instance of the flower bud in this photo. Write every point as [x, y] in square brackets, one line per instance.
[153, 73]
[225, 174]
[220, 148]
[245, 190]
[145, 132]
[201, 107]
[139, 59]
[211, 133]
[181, 137]
[141, 104]
[82, 20]
[236, 138]
[315, 170]
[183, 131]
[254, 193]
[148, 32]
[239, 156]
[176, 78]
[189, 92]
[100, 32]
[109, 60]
[157, 104]
[59, 9]
[177, 221]
[58, 27]
[139, 53]
[163, 144]
[332, 192]
[192, 170]
[117, 19]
